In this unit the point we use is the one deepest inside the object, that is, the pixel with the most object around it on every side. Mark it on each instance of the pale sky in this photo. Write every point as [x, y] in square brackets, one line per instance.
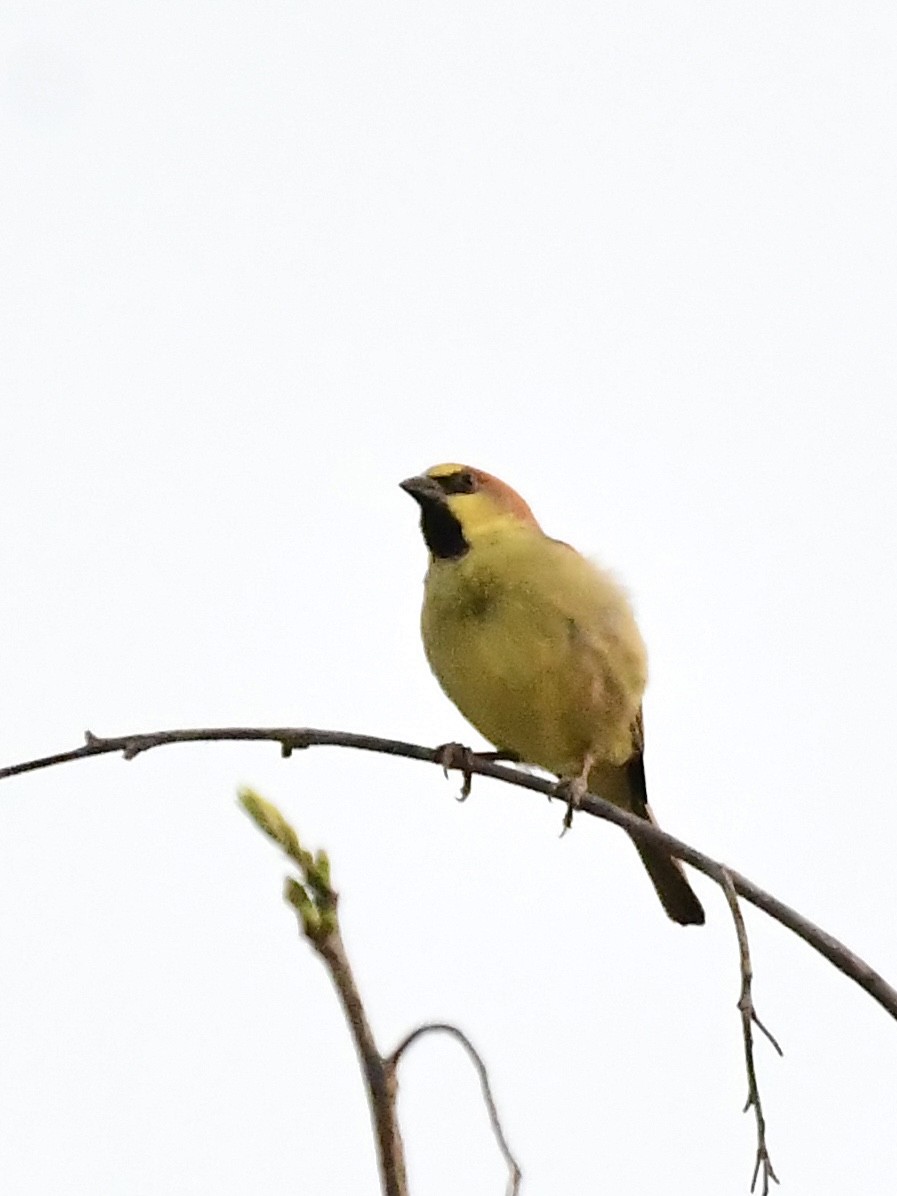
[260, 262]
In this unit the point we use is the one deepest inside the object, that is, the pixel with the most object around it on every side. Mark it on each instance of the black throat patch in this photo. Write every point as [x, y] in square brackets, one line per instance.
[442, 531]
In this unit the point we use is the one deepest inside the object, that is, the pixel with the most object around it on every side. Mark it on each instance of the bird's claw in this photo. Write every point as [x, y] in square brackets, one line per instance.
[571, 790]
[456, 755]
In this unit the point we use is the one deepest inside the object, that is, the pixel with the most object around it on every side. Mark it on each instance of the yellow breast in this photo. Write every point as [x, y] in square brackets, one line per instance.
[537, 648]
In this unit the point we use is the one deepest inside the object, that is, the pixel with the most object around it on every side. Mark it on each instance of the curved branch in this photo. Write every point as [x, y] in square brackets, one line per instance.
[514, 1172]
[294, 738]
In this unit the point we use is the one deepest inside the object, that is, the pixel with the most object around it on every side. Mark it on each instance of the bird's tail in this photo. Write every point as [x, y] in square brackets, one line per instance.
[625, 787]
[676, 895]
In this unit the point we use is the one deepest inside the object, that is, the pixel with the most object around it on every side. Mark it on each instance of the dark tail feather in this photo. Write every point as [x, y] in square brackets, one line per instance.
[625, 786]
[668, 877]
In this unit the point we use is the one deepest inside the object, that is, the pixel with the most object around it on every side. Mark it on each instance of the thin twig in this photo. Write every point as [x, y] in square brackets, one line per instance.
[762, 1163]
[315, 901]
[514, 1172]
[294, 738]
[380, 1079]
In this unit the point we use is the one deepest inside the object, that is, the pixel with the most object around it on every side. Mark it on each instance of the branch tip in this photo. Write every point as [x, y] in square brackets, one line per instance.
[768, 1034]
[269, 819]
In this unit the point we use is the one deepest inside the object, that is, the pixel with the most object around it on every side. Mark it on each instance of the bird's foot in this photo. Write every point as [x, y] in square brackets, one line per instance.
[456, 755]
[571, 790]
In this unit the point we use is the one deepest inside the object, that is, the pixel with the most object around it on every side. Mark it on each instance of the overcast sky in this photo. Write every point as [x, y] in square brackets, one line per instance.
[258, 263]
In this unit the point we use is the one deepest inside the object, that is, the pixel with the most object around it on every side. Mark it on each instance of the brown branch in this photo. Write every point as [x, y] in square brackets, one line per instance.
[762, 1163]
[514, 1173]
[380, 1078]
[315, 901]
[293, 738]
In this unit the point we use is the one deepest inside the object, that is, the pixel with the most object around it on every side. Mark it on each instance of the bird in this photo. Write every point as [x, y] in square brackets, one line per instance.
[539, 649]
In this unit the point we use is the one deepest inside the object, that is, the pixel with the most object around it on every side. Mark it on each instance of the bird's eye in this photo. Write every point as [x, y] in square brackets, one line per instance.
[462, 482]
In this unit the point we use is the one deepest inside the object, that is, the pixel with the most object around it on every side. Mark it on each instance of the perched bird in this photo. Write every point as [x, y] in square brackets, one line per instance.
[538, 648]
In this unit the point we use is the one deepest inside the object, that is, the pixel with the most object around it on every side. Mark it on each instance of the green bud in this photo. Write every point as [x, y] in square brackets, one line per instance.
[269, 819]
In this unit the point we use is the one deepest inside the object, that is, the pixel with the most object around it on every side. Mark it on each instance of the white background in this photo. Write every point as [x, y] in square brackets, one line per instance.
[258, 263]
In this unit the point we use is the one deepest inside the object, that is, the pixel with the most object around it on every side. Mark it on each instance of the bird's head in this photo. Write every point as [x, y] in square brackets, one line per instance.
[459, 505]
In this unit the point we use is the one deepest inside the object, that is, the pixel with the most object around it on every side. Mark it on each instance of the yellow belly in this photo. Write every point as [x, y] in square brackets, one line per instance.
[513, 693]
[524, 674]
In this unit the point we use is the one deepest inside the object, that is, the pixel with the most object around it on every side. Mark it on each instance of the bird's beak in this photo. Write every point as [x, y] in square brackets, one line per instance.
[423, 489]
